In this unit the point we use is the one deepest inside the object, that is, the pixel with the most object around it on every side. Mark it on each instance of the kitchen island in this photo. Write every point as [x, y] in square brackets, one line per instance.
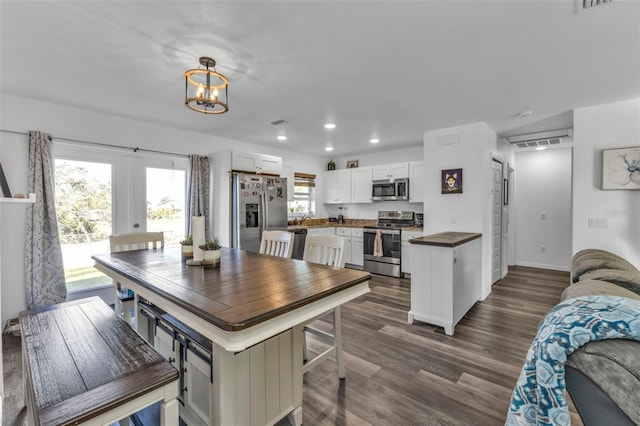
[252, 309]
[446, 278]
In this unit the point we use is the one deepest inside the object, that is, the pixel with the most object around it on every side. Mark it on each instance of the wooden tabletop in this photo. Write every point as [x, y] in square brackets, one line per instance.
[82, 361]
[446, 239]
[247, 289]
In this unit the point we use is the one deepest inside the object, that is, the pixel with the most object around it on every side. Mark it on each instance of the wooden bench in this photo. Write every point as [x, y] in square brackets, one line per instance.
[84, 365]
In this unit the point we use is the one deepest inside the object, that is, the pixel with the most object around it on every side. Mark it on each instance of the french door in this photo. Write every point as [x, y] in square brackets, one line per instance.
[103, 192]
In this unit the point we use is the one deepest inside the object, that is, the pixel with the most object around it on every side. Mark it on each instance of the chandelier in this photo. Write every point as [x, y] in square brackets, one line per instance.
[206, 90]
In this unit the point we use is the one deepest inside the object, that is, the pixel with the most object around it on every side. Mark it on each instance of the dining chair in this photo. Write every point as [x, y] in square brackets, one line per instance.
[125, 299]
[326, 250]
[277, 243]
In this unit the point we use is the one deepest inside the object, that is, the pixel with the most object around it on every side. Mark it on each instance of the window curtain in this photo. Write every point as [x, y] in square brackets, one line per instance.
[44, 271]
[198, 191]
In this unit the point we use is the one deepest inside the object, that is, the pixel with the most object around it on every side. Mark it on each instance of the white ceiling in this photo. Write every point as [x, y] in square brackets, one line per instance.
[390, 69]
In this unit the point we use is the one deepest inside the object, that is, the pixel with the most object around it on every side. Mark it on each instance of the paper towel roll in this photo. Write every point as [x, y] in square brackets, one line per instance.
[197, 232]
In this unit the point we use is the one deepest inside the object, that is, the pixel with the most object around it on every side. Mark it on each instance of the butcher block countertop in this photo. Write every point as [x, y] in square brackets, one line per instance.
[446, 239]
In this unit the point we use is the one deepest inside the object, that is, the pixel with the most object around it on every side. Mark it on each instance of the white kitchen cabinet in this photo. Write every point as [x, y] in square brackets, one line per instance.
[287, 172]
[405, 255]
[446, 277]
[361, 178]
[416, 182]
[357, 247]
[337, 186]
[391, 171]
[346, 234]
[259, 163]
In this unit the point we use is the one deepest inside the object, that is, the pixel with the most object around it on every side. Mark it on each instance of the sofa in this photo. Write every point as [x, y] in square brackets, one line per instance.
[603, 377]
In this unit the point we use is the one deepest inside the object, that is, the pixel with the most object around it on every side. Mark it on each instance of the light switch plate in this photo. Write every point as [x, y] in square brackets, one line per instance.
[598, 223]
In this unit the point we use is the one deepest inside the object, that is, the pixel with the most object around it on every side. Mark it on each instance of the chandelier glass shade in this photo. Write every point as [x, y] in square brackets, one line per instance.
[206, 90]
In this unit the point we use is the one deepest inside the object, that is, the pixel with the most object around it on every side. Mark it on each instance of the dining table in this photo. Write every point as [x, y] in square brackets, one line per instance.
[252, 308]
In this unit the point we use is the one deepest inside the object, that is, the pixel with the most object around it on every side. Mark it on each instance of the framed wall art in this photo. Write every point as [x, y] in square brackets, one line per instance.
[621, 168]
[3, 183]
[451, 181]
[352, 164]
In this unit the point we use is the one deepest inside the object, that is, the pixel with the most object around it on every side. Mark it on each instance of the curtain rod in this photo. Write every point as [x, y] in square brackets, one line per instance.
[136, 149]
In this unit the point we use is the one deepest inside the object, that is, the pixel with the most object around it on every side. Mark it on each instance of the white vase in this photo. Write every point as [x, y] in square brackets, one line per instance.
[211, 258]
[187, 252]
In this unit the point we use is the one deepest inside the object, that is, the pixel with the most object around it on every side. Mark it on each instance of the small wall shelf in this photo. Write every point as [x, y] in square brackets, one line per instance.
[30, 200]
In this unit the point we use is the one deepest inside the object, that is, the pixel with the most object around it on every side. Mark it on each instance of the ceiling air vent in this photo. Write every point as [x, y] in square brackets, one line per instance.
[588, 4]
[530, 140]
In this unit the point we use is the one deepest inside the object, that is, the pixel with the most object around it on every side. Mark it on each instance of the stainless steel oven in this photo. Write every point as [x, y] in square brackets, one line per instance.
[390, 190]
[388, 260]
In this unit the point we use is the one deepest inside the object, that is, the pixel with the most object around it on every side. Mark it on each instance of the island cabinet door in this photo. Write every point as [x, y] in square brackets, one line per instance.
[197, 385]
[166, 345]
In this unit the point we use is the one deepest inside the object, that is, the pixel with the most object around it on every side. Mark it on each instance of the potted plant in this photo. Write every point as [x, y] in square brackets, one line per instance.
[211, 253]
[187, 248]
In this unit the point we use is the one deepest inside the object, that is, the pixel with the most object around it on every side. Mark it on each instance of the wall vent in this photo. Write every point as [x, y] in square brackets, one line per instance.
[530, 140]
[588, 4]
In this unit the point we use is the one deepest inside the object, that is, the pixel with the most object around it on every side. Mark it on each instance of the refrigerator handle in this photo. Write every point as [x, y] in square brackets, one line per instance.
[266, 212]
[262, 225]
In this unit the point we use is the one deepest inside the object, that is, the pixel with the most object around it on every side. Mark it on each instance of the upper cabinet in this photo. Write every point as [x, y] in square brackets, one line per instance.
[361, 185]
[391, 171]
[259, 163]
[416, 182]
[337, 186]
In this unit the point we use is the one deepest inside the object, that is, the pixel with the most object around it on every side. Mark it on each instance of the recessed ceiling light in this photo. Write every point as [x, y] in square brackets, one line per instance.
[374, 140]
[541, 148]
[282, 138]
[328, 148]
[329, 126]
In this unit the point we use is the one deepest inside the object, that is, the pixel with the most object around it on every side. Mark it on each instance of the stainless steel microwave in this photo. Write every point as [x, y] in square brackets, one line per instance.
[390, 190]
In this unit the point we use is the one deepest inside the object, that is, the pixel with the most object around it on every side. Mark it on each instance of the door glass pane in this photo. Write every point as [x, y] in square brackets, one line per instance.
[166, 203]
[83, 206]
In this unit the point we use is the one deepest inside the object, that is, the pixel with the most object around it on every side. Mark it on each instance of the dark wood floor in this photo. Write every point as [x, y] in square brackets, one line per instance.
[401, 374]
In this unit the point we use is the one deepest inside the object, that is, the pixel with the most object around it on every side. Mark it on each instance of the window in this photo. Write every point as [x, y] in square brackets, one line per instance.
[304, 195]
[103, 192]
[83, 192]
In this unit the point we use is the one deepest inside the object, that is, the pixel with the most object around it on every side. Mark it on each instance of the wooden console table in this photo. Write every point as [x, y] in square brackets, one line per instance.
[252, 308]
[84, 365]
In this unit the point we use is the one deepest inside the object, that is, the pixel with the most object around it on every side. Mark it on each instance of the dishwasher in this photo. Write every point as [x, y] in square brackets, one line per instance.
[300, 236]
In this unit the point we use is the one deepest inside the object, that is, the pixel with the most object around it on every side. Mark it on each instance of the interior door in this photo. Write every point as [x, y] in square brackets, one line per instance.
[496, 220]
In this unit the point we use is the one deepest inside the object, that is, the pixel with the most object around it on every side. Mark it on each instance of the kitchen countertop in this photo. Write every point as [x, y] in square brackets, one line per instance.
[350, 225]
[446, 239]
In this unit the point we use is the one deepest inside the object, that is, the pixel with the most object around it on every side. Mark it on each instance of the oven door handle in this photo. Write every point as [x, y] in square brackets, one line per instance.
[382, 231]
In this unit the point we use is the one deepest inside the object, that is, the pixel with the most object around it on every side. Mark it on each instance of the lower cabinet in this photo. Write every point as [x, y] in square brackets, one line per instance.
[354, 245]
[405, 247]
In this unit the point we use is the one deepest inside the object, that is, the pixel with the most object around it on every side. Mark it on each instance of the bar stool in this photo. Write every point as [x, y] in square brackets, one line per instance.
[277, 243]
[326, 250]
[125, 298]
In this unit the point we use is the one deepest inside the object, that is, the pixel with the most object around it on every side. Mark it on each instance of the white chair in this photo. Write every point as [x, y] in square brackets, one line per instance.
[277, 243]
[326, 250]
[124, 302]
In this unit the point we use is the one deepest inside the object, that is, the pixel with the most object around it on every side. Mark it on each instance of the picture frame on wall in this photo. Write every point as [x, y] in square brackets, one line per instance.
[352, 164]
[3, 183]
[451, 180]
[621, 168]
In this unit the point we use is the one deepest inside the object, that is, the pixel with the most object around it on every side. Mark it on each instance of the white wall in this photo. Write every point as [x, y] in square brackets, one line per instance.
[596, 128]
[470, 210]
[20, 114]
[543, 188]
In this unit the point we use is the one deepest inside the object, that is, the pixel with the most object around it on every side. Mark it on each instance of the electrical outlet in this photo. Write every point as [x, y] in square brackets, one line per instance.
[454, 220]
[543, 249]
[543, 215]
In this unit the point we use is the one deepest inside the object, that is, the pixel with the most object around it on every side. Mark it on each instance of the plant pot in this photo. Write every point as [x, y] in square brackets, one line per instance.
[187, 253]
[211, 259]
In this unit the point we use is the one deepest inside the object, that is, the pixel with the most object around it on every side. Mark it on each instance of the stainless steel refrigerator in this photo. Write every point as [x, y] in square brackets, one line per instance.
[259, 203]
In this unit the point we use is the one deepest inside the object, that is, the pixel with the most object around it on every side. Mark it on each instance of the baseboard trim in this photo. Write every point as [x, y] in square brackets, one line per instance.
[543, 266]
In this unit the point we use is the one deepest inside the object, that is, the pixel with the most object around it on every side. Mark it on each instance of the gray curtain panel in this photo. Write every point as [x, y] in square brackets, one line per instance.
[198, 191]
[44, 271]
